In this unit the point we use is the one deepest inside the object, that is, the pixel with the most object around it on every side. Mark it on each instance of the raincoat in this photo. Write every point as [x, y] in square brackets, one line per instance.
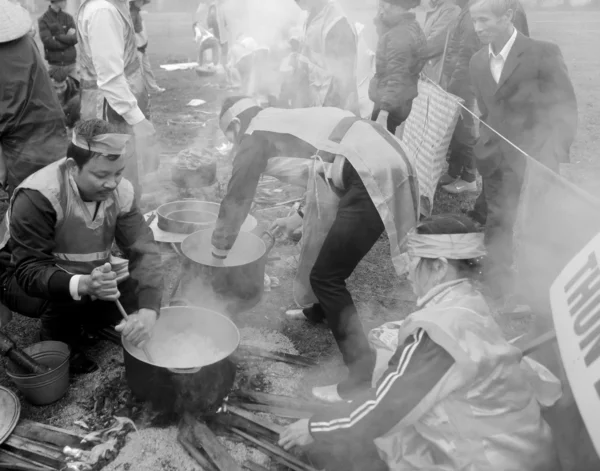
[484, 415]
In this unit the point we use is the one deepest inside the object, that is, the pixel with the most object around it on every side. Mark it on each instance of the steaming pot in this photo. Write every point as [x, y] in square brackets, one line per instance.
[190, 382]
[238, 280]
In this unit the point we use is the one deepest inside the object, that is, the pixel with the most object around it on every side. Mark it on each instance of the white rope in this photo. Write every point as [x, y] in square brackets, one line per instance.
[477, 117]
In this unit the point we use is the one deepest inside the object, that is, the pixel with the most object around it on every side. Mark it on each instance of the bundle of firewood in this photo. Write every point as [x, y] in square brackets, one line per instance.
[33, 446]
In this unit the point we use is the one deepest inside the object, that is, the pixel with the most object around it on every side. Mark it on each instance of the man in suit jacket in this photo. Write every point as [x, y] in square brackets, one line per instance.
[524, 93]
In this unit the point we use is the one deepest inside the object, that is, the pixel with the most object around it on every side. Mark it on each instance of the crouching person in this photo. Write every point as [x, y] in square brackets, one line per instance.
[59, 231]
[449, 392]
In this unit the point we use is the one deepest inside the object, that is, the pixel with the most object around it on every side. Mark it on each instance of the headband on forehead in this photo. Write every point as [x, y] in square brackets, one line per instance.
[452, 246]
[238, 108]
[108, 144]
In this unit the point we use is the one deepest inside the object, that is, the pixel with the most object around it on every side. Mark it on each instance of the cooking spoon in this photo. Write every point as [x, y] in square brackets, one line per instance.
[125, 316]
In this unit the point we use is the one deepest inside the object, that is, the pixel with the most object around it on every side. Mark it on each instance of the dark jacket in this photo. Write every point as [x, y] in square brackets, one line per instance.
[463, 43]
[399, 61]
[533, 106]
[31, 244]
[58, 45]
[32, 126]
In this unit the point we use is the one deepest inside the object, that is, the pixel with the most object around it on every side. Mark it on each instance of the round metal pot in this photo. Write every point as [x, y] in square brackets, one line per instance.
[188, 216]
[237, 280]
[176, 382]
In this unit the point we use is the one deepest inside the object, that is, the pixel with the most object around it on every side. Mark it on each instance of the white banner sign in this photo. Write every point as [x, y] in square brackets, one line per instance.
[575, 299]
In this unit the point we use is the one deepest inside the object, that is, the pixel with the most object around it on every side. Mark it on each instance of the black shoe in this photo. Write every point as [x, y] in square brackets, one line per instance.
[80, 364]
[314, 314]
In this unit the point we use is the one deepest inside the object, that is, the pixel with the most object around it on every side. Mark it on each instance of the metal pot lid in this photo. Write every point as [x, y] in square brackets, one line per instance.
[10, 410]
[247, 249]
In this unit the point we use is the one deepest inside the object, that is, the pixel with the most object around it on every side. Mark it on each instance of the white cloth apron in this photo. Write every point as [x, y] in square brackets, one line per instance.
[378, 158]
[313, 47]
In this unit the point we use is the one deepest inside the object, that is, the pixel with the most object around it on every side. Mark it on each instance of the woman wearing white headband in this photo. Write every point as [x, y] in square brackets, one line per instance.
[449, 392]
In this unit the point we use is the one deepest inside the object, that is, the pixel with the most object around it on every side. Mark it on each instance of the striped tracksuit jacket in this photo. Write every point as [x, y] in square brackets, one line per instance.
[416, 367]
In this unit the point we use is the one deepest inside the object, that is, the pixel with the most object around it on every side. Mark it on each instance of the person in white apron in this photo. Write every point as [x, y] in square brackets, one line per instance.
[449, 392]
[112, 81]
[326, 64]
[359, 182]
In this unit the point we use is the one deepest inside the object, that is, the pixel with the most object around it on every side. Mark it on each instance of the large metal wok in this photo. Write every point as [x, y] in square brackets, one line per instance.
[188, 216]
[190, 368]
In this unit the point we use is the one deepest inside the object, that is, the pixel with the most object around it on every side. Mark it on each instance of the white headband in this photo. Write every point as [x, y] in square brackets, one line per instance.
[238, 108]
[108, 144]
[452, 246]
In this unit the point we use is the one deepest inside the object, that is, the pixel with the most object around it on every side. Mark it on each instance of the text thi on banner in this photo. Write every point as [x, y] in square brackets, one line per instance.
[575, 300]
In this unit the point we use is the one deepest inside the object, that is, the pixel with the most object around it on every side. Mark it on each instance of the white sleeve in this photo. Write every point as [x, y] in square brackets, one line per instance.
[107, 47]
[74, 287]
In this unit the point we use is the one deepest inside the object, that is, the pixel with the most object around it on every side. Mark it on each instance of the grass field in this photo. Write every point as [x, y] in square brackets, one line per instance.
[380, 295]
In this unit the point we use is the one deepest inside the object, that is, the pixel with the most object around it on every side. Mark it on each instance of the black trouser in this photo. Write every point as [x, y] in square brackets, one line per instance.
[63, 321]
[497, 205]
[462, 156]
[395, 117]
[356, 228]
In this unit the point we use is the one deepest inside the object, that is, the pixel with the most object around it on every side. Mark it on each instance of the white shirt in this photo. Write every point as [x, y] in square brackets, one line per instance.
[497, 61]
[102, 30]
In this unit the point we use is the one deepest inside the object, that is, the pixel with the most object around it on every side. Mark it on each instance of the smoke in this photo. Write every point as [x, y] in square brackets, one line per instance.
[268, 22]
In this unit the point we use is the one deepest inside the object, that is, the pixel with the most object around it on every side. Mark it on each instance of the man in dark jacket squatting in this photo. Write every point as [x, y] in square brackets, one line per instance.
[56, 261]
[359, 183]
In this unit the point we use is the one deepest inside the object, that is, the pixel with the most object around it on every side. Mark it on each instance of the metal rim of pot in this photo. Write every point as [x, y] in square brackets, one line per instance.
[175, 225]
[182, 303]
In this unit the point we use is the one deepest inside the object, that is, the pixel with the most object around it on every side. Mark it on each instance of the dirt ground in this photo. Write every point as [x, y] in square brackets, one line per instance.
[378, 292]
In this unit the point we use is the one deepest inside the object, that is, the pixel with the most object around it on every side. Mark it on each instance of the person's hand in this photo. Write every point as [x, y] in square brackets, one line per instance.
[297, 434]
[287, 226]
[100, 284]
[382, 118]
[71, 32]
[137, 329]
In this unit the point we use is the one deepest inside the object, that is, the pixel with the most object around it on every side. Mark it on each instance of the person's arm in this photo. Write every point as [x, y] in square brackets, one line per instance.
[469, 44]
[32, 232]
[474, 87]
[557, 104]
[51, 42]
[399, 58]
[107, 45]
[248, 165]
[69, 39]
[134, 237]
[436, 36]
[415, 369]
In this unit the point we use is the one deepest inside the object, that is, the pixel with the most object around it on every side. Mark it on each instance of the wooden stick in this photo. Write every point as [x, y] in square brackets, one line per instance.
[20, 467]
[286, 402]
[48, 434]
[35, 451]
[277, 205]
[13, 458]
[211, 445]
[274, 450]
[252, 466]
[278, 411]
[196, 454]
[277, 429]
[279, 356]
[539, 342]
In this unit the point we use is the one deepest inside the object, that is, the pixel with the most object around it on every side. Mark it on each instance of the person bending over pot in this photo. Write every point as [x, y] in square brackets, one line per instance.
[359, 183]
[449, 392]
[55, 258]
